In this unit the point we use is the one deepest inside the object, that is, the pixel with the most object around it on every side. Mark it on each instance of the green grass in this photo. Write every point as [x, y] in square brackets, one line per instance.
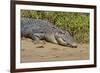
[76, 23]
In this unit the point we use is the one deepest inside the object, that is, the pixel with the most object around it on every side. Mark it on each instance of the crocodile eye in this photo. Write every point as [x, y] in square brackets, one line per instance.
[54, 27]
[60, 32]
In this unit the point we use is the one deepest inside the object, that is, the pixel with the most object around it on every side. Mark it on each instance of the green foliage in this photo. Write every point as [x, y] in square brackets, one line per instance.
[76, 23]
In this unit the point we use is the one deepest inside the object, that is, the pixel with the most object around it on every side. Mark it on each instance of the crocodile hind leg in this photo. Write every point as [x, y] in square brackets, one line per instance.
[37, 40]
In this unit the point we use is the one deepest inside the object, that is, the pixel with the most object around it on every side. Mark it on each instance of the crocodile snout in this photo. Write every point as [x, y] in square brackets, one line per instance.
[74, 45]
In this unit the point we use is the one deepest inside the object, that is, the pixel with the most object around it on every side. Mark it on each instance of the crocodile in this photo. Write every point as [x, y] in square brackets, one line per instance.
[38, 29]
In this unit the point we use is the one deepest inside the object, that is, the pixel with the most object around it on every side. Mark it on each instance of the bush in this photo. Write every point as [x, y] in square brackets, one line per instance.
[76, 23]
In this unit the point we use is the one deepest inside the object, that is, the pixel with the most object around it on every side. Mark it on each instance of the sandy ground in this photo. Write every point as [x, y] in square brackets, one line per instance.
[45, 51]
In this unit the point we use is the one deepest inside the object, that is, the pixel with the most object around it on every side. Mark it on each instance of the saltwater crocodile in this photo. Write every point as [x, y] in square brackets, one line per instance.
[37, 29]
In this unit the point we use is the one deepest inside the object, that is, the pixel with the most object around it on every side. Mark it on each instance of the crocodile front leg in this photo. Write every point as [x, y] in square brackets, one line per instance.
[60, 41]
[50, 38]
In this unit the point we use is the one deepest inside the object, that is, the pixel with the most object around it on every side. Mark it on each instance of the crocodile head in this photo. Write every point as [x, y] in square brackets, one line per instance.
[67, 38]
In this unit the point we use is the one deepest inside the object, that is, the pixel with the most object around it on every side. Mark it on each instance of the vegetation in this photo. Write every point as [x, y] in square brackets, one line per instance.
[76, 23]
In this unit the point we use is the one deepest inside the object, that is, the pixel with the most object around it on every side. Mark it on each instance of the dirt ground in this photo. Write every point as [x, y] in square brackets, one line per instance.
[45, 51]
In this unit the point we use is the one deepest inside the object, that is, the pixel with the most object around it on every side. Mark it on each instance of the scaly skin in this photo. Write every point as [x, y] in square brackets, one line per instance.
[44, 30]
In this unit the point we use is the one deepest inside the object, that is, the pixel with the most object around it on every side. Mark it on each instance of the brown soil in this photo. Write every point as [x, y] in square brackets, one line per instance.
[45, 51]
